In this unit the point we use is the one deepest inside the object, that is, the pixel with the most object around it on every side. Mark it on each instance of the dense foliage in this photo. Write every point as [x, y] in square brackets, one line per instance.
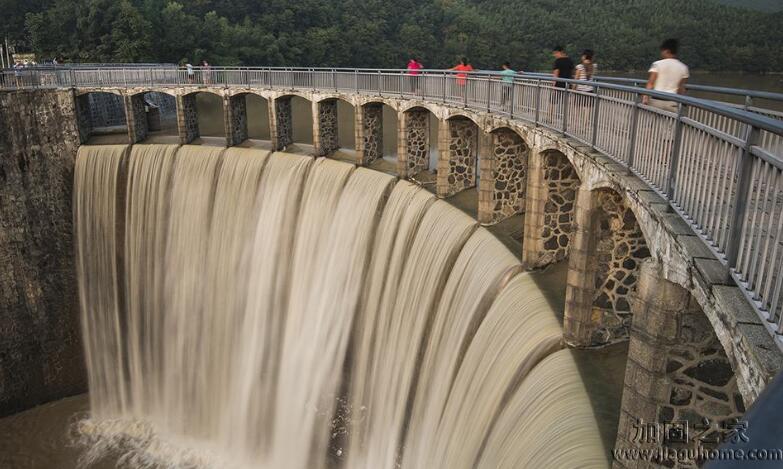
[382, 33]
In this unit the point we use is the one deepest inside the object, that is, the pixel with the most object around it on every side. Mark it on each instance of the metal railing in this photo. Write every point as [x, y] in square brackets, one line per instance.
[720, 167]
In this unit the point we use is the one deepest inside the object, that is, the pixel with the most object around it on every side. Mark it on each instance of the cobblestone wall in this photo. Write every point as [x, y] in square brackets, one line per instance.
[327, 138]
[619, 248]
[139, 128]
[680, 389]
[503, 180]
[562, 183]
[457, 164]
[417, 140]
[188, 118]
[283, 122]
[236, 117]
[372, 132]
[40, 348]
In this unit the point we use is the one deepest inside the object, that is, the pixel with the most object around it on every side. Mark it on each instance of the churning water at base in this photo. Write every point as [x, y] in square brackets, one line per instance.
[244, 309]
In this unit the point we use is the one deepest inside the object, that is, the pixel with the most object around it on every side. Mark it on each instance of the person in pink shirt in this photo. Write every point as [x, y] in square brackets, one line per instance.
[414, 67]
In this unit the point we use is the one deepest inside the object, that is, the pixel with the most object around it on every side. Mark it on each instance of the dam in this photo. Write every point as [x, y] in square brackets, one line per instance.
[495, 286]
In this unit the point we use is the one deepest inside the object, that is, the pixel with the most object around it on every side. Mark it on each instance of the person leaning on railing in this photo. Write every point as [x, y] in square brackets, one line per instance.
[668, 75]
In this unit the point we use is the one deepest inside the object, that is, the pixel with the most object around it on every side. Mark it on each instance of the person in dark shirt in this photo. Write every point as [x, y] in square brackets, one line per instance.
[564, 66]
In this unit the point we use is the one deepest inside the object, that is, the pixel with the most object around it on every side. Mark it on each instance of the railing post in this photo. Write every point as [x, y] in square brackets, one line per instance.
[565, 109]
[334, 81]
[489, 93]
[634, 129]
[356, 80]
[538, 102]
[380, 93]
[744, 173]
[511, 103]
[444, 87]
[595, 116]
[674, 156]
[465, 90]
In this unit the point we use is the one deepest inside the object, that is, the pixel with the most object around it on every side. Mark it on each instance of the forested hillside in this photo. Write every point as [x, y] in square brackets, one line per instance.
[624, 33]
[762, 5]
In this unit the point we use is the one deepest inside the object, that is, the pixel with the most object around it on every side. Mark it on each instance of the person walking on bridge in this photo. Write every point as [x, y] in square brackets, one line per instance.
[507, 79]
[414, 67]
[463, 68]
[668, 75]
[562, 69]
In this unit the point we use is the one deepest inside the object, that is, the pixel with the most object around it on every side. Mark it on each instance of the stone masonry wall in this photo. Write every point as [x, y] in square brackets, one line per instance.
[619, 249]
[680, 391]
[562, 183]
[372, 132]
[327, 141]
[284, 128]
[235, 108]
[457, 165]
[40, 351]
[187, 118]
[503, 180]
[416, 141]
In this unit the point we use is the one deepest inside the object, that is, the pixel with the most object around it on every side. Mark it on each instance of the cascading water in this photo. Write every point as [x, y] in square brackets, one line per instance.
[246, 309]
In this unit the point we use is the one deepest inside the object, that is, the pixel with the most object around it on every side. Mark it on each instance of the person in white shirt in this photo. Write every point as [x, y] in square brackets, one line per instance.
[668, 75]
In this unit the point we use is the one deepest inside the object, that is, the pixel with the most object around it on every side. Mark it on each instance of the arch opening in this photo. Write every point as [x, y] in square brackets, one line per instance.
[102, 118]
[161, 116]
[379, 130]
[210, 114]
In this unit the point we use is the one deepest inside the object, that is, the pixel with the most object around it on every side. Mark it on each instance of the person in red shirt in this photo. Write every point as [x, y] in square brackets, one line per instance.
[462, 66]
[413, 70]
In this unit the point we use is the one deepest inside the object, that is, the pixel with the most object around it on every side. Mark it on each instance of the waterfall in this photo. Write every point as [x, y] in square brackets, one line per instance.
[247, 309]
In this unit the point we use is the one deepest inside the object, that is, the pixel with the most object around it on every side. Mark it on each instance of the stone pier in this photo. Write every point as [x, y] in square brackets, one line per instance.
[503, 176]
[549, 208]
[458, 144]
[679, 386]
[136, 117]
[281, 122]
[187, 118]
[235, 119]
[608, 247]
[413, 142]
[83, 119]
[325, 127]
[369, 129]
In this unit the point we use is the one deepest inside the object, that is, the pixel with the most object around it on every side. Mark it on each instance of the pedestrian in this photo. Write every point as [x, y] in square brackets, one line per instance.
[462, 67]
[191, 73]
[507, 79]
[564, 66]
[585, 71]
[414, 70]
[18, 67]
[206, 71]
[562, 69]
[668, 75]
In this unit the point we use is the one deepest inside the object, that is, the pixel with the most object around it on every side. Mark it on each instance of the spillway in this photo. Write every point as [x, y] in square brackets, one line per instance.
[247, 309]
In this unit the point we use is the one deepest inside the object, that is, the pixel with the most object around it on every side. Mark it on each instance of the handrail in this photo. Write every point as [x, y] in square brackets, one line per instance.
[718, 166]
[748, 93]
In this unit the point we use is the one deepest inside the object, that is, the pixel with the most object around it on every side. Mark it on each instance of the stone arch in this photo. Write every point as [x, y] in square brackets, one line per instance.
[408, 105]
[458, 148]
[154, 113]
[294, 120]
[502, 175]
[101, 112]
[252, 108]
[415, 142]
